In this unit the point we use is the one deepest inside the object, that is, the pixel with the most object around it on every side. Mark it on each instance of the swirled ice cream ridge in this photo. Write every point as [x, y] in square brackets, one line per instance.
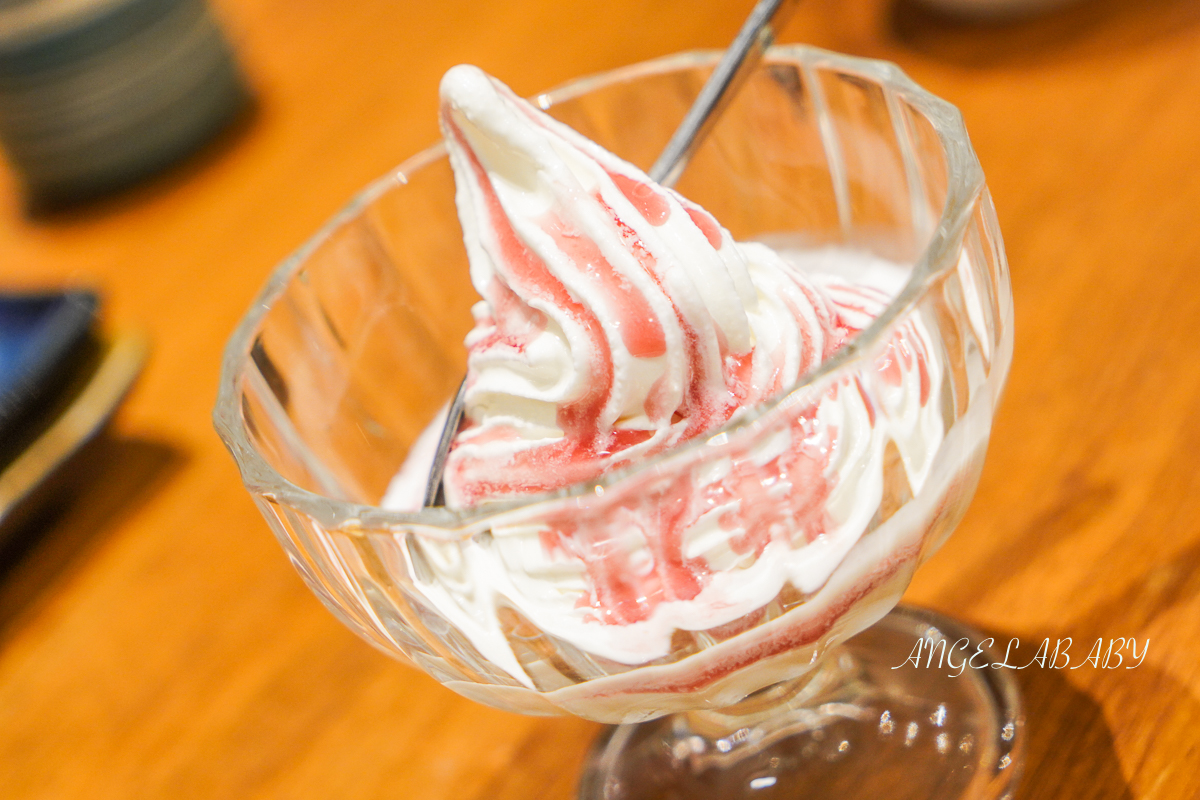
[619, 320]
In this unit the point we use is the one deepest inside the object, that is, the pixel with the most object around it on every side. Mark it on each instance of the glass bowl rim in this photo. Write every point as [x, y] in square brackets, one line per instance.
[964, 182]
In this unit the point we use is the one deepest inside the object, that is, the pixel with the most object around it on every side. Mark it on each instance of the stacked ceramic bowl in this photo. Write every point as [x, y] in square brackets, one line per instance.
[95, 94]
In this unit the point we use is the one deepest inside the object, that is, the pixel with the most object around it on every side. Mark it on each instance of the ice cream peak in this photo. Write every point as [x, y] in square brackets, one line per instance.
[618, 318]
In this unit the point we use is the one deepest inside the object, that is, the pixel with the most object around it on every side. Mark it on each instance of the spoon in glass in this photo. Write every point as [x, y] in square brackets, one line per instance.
[756, 35]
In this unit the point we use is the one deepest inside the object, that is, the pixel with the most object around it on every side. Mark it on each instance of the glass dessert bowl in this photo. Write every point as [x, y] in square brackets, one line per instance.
[709, 592]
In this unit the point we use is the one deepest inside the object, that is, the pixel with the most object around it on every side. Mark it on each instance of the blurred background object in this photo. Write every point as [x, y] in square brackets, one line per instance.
[985, 10]
[61, 379]
[96, 94]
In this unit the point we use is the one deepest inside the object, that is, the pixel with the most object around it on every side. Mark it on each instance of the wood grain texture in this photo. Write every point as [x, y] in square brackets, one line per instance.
[158, 645]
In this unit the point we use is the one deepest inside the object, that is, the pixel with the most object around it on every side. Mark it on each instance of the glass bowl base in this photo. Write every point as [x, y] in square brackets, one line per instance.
[909, 708]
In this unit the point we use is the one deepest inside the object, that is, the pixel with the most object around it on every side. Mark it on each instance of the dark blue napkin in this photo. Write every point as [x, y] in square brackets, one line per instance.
[42, 337]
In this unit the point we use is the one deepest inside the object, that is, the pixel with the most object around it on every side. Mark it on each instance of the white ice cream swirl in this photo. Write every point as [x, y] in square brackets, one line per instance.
[618, 320]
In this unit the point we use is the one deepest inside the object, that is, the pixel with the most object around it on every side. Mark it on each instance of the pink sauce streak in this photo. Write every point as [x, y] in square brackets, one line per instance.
[649, 203]
[641, 332]
[634, 557]
[707, 225]
[532, 278]
[783, 499]
[804, 631]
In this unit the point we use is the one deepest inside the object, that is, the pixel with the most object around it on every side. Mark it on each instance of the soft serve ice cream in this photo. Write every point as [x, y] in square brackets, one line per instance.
[619, 320]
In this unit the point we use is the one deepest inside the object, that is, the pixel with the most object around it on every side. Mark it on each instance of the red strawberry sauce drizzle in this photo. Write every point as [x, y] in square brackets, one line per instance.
[803, 631]
[641, 332]
[703, 408]
[581, 454]
[649, 203]
[707, 225]
[512, 325]
[580, 419]
[783, 498]
[624, 591]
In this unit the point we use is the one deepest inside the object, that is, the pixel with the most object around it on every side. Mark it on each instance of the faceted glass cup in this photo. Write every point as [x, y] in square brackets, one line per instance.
[355, 345]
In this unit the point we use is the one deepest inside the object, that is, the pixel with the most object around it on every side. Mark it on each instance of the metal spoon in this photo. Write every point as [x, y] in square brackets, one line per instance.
[756, 35]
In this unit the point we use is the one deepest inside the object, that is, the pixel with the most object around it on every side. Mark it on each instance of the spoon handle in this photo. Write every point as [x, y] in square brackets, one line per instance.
[756, 35]
[434, 486]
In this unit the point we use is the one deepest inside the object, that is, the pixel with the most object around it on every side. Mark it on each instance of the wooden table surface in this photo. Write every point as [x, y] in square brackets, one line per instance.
[157, 644]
